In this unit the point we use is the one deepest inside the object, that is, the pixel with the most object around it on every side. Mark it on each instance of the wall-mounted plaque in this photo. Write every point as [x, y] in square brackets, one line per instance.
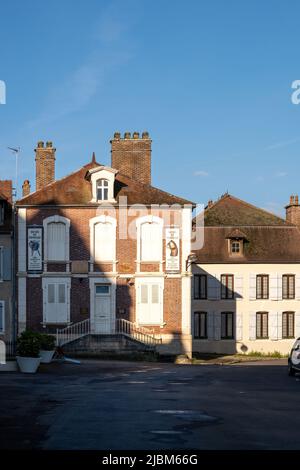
[172, 249]
[35, 248]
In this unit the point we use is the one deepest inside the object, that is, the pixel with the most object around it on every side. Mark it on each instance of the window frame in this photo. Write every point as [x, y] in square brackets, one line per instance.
[288, 313]
[228, 290]
[197, 280]
[153, 220]
[67, 223]
[287, 296]
[263, 295]
[2, 302]
[227, 336]
[104, 188]
[57, 281]
[262, 315]
[199, 336]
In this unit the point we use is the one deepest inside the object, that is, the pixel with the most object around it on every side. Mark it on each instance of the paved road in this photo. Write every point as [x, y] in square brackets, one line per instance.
[121, 405]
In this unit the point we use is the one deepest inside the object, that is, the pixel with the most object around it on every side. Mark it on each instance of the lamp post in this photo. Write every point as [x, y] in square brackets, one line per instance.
[192, 258]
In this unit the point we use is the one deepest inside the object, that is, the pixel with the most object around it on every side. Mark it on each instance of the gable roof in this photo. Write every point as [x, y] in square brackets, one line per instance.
[231, 211]
[75, 189]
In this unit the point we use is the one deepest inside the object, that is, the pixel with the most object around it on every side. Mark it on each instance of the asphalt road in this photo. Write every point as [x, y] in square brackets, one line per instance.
[121, 405]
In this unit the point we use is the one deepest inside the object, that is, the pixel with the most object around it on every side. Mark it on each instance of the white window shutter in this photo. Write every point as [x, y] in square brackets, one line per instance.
[297, 324]
[279, 325]
[252, 286]
[217, 325]
[210, 326]
[297, 287]
[279, 286]
[238, 287]
[213, 287]
[252, 326]
[239, 326]
[273, 287]
[273, 326]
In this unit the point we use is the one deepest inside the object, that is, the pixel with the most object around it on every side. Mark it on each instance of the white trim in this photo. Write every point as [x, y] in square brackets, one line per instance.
[102, 280]
[67, 223]
[152, 280]
[105, 173]
[22, 244]
[22, 304]
[139, 222]
[60, 280]
[103, 219]
[2, 302]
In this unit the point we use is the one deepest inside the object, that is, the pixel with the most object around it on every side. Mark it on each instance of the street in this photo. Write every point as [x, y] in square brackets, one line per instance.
[125, 405]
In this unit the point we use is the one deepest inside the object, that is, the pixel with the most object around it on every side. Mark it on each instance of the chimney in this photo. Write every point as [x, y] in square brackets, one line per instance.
[26, 188]
[132, 155]
[293, 211]
[45, 164]
[6, 189]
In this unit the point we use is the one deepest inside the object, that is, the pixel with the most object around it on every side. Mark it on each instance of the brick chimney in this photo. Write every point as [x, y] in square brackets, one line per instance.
[26, 188]
[6, 189]
[45, 164]
[293, 211]
[132, 155]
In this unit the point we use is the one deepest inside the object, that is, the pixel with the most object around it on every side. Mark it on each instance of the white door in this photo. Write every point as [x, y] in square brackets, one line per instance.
[103, 310]
[150, 304]
[56, 305]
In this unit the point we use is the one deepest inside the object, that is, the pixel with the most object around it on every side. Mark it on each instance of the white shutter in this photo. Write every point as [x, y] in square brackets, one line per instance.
[56, 241]
[279, 325]
[105, 239]
[252, 326]
[279, 286]
[297, 287]
[239, 326]
[297, 324]
[252, 286]
[273, 287]
[213, 287]
[273, 326]
[238, 287]
[217, 325]
[210, 325]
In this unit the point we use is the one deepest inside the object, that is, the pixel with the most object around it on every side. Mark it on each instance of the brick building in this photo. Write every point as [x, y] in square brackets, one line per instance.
[6, 248]
[102, 250]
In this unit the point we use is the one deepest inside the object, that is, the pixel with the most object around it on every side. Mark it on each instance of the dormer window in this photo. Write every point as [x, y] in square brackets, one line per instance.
[236, 247]
[102, 190]
[235, 240]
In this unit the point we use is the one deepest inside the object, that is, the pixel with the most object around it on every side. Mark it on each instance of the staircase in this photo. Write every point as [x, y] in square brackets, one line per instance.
[125, 337]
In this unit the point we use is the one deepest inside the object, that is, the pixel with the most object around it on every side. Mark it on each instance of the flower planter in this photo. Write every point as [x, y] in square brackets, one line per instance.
[28, 365]
[46, 356]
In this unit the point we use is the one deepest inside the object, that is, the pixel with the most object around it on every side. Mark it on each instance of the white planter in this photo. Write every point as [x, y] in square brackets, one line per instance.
[28, 365]
[46, 356]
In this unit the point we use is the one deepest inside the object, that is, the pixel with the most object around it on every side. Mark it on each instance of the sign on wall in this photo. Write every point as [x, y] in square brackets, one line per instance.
[172, 249]
[35, 248]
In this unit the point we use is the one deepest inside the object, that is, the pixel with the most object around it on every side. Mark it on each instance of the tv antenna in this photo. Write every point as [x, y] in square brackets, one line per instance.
[16, 152]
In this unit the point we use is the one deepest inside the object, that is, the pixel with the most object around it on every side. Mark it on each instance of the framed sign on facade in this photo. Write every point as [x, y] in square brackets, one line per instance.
[172, 249]
[35, 249]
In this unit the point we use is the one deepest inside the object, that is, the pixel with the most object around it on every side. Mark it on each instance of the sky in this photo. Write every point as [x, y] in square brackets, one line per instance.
[209, 80]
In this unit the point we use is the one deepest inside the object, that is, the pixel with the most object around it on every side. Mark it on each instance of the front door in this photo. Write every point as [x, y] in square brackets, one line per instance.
[103, 311]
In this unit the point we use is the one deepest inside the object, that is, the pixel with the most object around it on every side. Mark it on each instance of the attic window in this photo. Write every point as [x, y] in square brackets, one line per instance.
[236, 247]
[102, 190]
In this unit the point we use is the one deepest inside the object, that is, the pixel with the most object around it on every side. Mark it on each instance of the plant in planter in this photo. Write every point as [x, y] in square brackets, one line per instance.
[28, 352]
[47, 344]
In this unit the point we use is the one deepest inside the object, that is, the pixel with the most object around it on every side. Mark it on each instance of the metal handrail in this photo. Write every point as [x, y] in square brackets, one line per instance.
[73, 332]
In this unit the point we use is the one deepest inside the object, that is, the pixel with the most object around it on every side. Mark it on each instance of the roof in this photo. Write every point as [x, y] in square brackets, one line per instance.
[231, 211]
[75, 189]
[267, 238]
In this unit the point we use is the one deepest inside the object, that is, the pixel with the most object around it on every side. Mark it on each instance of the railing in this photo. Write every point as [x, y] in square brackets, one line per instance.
[72, 332]
[138, 333]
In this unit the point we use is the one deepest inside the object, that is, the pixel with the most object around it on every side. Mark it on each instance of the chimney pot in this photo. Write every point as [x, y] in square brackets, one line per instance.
[127, 135]
[117, 135]
[26, 188]
[40, 144]
[136, 135]
[210, 203]
[49, 144]
[145, 135]
[296, 200]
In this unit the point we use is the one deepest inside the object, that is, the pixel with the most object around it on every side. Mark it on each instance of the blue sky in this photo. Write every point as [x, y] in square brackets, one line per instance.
[210, 80]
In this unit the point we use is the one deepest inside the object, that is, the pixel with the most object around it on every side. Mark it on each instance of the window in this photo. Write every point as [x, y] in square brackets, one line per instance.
[2, 318]
[200, 286]
[262, 286]
[226, 325]
[150, 302]
[227, 286]
[262, 329]
[288, 286]
[104, 289]
[288, 325]
[200, 325]
[102, 190]
[1, 263]
[149, 233]
[236, 247]
[1, 213]
[56, 232]
[56, 300]
[103, 238]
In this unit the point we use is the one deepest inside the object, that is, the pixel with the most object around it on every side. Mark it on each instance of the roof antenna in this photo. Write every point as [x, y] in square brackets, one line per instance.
[16, 152]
